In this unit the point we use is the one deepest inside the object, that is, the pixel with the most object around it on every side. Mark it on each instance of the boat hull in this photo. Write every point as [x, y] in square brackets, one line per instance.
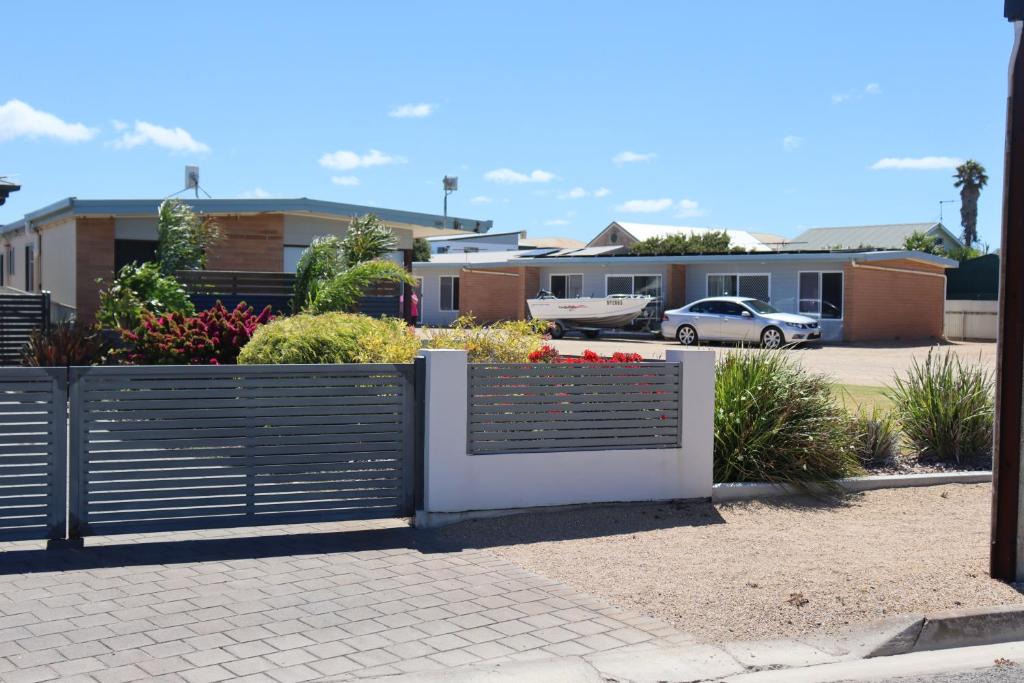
[610, 312]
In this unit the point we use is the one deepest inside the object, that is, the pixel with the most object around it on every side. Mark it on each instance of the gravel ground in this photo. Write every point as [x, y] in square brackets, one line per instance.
[765, 569]
[862, 364]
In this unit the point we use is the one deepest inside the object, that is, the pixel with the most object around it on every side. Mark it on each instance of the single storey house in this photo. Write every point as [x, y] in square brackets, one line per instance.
[69, 245]
[858, 295]
[624, 234]
[870, 237]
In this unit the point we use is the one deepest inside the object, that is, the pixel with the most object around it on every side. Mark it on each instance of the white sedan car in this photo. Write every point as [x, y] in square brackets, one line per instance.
[737, 318]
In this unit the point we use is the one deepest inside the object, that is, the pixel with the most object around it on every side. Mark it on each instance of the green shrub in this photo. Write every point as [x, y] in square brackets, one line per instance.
[64, 344]
[331, 338]
[945, 407]
[776, 422]
[367, 239]
[183, 237]
[505, 342]
[876, 437]
[139, 290]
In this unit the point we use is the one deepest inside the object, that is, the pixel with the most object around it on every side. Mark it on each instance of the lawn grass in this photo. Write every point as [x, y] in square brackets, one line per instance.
[855, 396]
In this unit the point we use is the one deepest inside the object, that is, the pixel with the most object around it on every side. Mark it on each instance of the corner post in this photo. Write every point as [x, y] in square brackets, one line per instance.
[445, 423]
[697, 417]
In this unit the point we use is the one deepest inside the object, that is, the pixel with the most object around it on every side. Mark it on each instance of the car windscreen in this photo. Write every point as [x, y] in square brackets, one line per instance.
[760, 306]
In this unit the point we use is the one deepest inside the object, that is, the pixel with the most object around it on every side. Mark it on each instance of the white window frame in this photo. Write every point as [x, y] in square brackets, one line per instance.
[440, 298]
[567, 275]
[707, 281]
[819, 273]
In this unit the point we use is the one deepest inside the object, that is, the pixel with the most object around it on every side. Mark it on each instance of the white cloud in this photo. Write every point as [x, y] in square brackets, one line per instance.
[644, 205]
[480, 199]
[174, 139]
[344, 160]
[857, 93]
[255, 193]
[118, 125]
[791, 143]
[602, 192]
[345, 180]
[412, 111]
[628, 157]
[916, 164]
[688, 208]
[557, 221]
[20, 120]
[507, 175]
[574, 193]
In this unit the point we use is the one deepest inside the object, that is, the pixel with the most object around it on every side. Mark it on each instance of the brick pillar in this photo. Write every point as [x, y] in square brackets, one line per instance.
[94, 259]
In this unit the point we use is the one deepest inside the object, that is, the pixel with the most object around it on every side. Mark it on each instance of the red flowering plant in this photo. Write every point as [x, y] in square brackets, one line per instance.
[212, 337]
[548, 354]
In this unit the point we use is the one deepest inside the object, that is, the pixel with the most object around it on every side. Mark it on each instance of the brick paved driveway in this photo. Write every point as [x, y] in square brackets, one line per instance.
[286, 604]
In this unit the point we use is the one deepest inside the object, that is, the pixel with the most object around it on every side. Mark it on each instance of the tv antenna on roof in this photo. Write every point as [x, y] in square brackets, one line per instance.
[944, 201]
[191, 183]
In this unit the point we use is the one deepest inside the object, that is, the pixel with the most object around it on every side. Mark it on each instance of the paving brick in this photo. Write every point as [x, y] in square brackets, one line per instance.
[252, 665]
[453, 658]
[72, 667]
[446, 642]
[330, 667]
[207, 674]
[209, 657]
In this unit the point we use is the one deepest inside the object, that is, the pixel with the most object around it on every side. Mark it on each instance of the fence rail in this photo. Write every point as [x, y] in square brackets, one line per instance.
[204, 447]
[541, 407]
[33, 465]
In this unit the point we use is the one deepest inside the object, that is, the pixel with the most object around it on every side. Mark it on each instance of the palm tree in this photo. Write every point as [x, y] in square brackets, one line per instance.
[970, 178]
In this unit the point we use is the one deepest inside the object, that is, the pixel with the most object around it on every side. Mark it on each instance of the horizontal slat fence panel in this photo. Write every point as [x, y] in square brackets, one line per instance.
[20, 314]
[33, 453]
[544, 407]
[202, 447]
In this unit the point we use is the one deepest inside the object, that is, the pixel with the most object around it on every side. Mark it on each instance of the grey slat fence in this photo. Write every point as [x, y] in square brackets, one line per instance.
[19, 315]
[33, 453]
[203, 447]
[542, 407]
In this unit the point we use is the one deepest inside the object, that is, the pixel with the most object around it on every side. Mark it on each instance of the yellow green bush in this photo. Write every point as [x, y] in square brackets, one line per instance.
[505, 342]
[331, 338]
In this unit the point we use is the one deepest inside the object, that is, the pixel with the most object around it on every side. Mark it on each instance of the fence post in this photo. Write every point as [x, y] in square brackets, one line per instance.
[419, 384]
[697, 417]
[445, 421]
[58, 490]
[76, 458]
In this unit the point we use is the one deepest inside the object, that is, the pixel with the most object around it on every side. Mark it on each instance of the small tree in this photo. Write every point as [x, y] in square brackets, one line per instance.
[714, 242]
[183, 237]
[420, 250]
[367, 239]
[918, 241]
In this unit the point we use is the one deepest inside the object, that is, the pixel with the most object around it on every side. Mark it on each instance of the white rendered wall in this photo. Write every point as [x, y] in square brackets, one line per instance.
[455, 481]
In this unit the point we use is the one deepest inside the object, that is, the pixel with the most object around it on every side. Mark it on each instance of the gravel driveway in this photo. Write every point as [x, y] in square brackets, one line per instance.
[765, 569]
[864, 364]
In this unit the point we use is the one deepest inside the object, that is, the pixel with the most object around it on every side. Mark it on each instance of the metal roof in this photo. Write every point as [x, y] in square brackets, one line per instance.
[473, 236]
[643, 231]
[148, 207]
[862, 236]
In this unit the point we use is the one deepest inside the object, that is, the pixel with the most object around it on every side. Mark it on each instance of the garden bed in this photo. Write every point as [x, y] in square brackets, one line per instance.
[769, 568]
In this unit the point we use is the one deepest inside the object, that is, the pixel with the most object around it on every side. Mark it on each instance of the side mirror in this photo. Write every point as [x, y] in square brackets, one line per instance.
[747, 314]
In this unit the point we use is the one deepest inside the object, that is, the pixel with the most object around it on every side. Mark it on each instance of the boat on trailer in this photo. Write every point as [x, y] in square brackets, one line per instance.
[589, 314]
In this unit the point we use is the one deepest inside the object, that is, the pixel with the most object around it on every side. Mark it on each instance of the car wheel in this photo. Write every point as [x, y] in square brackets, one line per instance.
[687, 335]
[591, 334]
[771, 338]
[556, 330]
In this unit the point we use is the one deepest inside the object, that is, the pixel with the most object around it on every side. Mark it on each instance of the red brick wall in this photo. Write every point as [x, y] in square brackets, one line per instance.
[249, 243]
[497, 293]
[94, 258]
[675, 286]
[881, 305]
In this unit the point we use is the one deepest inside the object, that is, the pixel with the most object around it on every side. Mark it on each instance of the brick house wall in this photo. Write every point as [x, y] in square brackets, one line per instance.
[94, 258]
[893, 305]
[497, 293]
[249, 243]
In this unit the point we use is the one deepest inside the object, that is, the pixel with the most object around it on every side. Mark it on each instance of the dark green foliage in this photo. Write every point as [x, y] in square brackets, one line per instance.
[918, 241]
[715, 242]
[183, 237]
[367, 239]
[138, 290]
[420, 250]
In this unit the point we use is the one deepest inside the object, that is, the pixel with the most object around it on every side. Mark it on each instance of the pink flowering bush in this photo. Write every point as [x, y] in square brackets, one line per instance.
[212, 337]
[549, 354]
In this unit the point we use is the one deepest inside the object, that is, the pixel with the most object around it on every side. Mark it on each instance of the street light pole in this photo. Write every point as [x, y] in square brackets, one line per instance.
[450, 184]
[1007, 553]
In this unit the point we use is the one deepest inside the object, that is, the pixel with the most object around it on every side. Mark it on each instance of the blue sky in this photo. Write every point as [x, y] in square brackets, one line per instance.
[557, 117]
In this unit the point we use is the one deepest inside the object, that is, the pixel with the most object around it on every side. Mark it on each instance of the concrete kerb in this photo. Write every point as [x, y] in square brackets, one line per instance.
[734, 492]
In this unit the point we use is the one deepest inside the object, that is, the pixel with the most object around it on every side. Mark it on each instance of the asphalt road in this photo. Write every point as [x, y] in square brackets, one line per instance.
[997, 674]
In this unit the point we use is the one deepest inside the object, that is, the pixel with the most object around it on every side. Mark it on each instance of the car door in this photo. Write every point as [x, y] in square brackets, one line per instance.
[706, 318]
[734, 325]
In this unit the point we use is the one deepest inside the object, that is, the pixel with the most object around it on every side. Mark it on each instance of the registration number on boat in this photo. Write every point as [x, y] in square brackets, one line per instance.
[614, 302]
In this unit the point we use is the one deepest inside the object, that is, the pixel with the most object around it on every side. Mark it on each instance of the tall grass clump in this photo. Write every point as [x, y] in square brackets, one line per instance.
[876, 436]
[945, 407]
[331, 338]
[776, 422]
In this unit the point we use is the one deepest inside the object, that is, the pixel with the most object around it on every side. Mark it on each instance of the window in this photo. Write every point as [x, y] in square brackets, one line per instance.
[567, 286]
[821, 295]
[10, 263]
[471, 250]
[755, 286]
[129, 251]
[730, 308]
[649, 285]
[292, 254]
[30, 268]
[3, 261]
[449, 293]
[443, 250]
